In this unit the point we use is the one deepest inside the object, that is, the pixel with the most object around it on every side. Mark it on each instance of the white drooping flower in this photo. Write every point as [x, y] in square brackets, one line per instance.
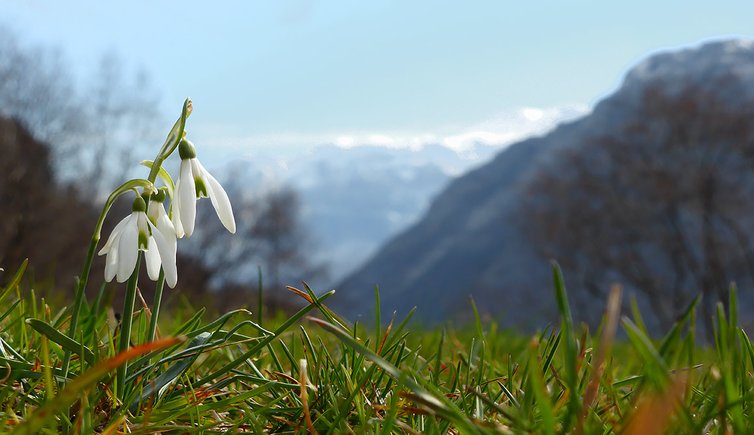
[195, 182]
[136, 233]
[159, 218]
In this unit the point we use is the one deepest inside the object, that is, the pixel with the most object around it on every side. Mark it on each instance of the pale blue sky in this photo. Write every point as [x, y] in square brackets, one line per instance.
[309, 71]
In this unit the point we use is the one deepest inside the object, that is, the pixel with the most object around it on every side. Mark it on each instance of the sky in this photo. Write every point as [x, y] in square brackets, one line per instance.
[288, 74]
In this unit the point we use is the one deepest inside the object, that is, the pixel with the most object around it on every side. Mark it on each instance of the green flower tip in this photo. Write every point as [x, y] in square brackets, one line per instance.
[186, 150]
[139, 204]
[160, 195]
[201, 188]
[143, 241]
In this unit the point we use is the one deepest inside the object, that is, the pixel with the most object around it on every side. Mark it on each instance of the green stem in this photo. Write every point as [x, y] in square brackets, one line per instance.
[171, 143]
[156, 305]
[156, 165]
[78, 301]
[124, 338]
[260, 297]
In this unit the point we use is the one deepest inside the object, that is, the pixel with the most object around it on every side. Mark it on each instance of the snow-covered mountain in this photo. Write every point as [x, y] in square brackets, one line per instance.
[353, 199]
[356, 195]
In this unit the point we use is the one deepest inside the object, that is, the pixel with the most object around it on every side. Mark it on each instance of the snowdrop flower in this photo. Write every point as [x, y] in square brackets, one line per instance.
[161, 222]
[195, 182]
[136, 233]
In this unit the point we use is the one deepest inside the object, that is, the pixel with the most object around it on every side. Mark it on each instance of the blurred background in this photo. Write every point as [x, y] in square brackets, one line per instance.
[438, 150]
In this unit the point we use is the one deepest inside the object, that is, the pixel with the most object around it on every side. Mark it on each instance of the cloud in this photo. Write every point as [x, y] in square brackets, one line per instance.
[511, 126]
[498, 131]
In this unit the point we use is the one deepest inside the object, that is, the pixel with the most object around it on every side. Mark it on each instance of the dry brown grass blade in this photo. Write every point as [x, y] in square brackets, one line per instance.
[305, 396]
[606, 341]
[655, 411]
[386, 334]
[301, 293]
[115, 427]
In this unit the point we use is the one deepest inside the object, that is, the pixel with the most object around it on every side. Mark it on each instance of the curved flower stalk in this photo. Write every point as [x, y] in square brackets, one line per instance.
[137, 233]
[195, 182]
[132, 235]
[78, 299]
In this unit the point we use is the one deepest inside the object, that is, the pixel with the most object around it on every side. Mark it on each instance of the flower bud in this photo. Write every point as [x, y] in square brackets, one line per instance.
[186, 150]
[139, 204]
[160, 195]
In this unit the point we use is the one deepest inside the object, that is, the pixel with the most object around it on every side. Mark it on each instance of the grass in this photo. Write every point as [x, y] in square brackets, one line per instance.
[316, 372]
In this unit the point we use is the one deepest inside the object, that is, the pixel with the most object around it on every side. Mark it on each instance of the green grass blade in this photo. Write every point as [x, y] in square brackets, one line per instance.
[571, 357]
[15, 281]
[157, 386]
[39, 418]
[63, 340]
[655, 367]
[263, 343]
[437, 404]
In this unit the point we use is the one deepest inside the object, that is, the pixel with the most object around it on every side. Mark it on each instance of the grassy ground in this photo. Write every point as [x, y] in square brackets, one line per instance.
[315, 372]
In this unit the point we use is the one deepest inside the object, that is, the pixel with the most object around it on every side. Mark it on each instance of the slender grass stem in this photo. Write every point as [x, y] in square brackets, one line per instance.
[156, 306]
[79, 301]
[124, 338]
[260, 297]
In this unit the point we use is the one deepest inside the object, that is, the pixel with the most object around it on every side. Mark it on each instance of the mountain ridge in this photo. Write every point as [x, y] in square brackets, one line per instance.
[468, 243]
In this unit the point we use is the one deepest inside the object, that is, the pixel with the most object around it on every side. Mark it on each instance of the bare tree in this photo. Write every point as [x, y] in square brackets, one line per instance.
[37, 89]
[662, 205]
[92, 130]
[48, 223]
[269, 234]
[280, 237]
[122, 118]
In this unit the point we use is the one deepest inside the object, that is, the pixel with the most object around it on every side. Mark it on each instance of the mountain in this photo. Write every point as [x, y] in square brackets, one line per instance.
[353, 199]
[357, 190]
[469, 241]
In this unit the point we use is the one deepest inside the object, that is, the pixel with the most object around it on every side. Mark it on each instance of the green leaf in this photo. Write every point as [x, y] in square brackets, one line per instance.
[16, 280]
[63, 340]
[158, 385]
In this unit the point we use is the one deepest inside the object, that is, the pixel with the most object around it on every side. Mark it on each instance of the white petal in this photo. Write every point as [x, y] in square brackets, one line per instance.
[176, 216]
[198, 171]
[128, 249]
[220, 200]
[111, 264]
[187, 198]
[113, 236]
[153, 210]
[160, 211]
[152, 257]
[166, 245]
[166, 229]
